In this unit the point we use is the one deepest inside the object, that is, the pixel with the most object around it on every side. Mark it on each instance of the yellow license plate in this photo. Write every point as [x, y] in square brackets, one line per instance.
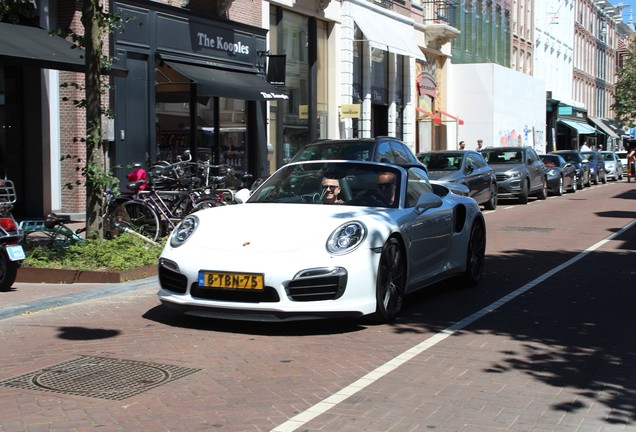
[231, 280]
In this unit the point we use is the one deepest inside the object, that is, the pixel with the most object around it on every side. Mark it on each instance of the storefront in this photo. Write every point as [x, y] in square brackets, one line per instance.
[572, 129]
[193, 84]
[380, 71]
[31, 141]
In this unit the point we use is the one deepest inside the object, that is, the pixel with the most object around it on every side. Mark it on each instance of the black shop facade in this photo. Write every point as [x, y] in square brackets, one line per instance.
[193, 84]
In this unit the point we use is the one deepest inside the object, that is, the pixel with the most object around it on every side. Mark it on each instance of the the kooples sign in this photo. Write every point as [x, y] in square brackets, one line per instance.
[219, 43]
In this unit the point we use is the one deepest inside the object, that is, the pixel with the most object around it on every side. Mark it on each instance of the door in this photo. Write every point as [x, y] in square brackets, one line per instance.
[132, 122]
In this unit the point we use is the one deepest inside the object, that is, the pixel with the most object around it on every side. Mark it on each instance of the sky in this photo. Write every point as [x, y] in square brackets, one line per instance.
[629, 9]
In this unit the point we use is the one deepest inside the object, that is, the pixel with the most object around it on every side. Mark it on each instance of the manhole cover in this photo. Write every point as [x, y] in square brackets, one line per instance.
[526, 229]
[99, 377]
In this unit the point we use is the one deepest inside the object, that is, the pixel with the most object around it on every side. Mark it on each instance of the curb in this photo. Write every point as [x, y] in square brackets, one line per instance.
[61, 276]
[68, 299]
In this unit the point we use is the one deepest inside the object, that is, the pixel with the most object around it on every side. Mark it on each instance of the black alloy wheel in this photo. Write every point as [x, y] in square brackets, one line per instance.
[391, 282]
[476, 255]
[491, 204]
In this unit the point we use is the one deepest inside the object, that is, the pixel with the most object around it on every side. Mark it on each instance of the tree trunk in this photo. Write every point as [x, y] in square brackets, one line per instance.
[94, 149]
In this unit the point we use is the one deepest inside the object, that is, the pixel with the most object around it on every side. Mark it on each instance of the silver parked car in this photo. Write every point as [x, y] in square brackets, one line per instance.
[465, 167]
[613, 165]
[520, 172]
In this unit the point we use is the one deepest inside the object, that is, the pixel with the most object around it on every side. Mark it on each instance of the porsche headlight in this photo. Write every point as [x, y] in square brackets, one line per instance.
[346, 237]
[184, 230]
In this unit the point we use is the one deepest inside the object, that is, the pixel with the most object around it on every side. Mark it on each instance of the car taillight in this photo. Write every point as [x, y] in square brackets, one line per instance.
[8, 224]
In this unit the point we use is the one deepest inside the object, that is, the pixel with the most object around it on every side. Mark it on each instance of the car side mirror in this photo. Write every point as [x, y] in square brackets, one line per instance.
[242, 195]
[427, 201]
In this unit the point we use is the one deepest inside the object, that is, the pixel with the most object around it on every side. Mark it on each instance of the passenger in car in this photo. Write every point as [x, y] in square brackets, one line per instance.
[386, 186]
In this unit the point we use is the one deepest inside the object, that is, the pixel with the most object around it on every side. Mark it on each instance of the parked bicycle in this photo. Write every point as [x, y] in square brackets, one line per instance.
[151, 213]
[51, 232]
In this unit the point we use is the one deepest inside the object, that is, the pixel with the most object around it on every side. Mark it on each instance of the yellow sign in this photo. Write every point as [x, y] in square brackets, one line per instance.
[350, 111]
[303, 112]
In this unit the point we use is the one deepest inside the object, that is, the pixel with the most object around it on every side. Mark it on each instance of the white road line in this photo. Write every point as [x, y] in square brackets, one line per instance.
[370, 378]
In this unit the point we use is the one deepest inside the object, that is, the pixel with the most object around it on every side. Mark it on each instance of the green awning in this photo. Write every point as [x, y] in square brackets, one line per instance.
[580, 127]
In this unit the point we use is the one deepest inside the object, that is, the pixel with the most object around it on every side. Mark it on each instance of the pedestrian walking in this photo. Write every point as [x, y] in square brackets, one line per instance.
[480, 145]
[462, 145]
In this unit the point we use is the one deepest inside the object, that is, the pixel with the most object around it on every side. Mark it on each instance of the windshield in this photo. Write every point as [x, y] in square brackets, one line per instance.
[589, 156]
[332, 183]
[550, 161]
[441, 161]
[502, 156]
[342, 150]
[571, 157]
[608, 157]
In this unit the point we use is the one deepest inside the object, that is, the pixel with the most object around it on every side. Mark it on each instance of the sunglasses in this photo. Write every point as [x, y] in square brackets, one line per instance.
[330, 187]
[384, 185]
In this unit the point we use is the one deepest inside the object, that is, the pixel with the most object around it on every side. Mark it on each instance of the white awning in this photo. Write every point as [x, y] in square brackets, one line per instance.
[386, 33]
[601, 125]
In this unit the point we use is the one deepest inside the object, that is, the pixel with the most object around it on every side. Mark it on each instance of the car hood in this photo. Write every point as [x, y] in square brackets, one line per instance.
[444, 175]
[273, 228]
[502, 168]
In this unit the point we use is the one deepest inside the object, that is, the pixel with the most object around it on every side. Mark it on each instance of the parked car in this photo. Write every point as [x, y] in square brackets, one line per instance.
[613, 165]
[285, 254]
[466, 167]
[561, 174]
[597, 166]
[520, 172]
[380, 149]
[622, 156]
[582, 167]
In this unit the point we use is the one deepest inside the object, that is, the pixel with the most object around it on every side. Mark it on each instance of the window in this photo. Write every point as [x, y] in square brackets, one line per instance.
[417, 185]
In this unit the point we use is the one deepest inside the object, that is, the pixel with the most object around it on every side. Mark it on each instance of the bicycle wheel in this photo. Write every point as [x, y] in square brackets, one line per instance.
[140, 218]
[114, 212]
[47, 239]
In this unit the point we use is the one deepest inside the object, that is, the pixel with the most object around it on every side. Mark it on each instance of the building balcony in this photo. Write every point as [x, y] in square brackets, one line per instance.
[439, 11]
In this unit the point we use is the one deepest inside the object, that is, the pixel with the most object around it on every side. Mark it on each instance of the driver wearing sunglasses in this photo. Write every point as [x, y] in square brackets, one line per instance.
[330, 191]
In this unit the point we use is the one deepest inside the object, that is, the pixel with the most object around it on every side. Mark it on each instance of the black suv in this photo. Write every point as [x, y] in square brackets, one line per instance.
[520, 172]
[379, 149]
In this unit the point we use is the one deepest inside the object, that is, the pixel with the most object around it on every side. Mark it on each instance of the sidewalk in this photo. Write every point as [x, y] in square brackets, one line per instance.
[24, 298]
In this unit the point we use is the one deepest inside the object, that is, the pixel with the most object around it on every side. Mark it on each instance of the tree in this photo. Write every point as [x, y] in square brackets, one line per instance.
[92, 16]
[97, 25]
[624, 105]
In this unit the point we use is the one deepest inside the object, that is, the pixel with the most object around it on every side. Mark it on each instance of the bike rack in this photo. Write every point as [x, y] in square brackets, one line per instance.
[7, 195]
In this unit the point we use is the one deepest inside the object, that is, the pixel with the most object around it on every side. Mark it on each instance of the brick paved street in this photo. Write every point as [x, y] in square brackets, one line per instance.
[558, 356]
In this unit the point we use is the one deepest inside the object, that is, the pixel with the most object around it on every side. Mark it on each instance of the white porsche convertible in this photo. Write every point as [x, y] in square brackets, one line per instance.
[323, 239]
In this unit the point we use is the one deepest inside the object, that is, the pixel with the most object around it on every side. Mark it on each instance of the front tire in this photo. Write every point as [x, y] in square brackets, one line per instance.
[543, 192]
[391, 282]
[559, 190]
[491, 204]
[8, 271]
[523, 195]
[475, 255]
